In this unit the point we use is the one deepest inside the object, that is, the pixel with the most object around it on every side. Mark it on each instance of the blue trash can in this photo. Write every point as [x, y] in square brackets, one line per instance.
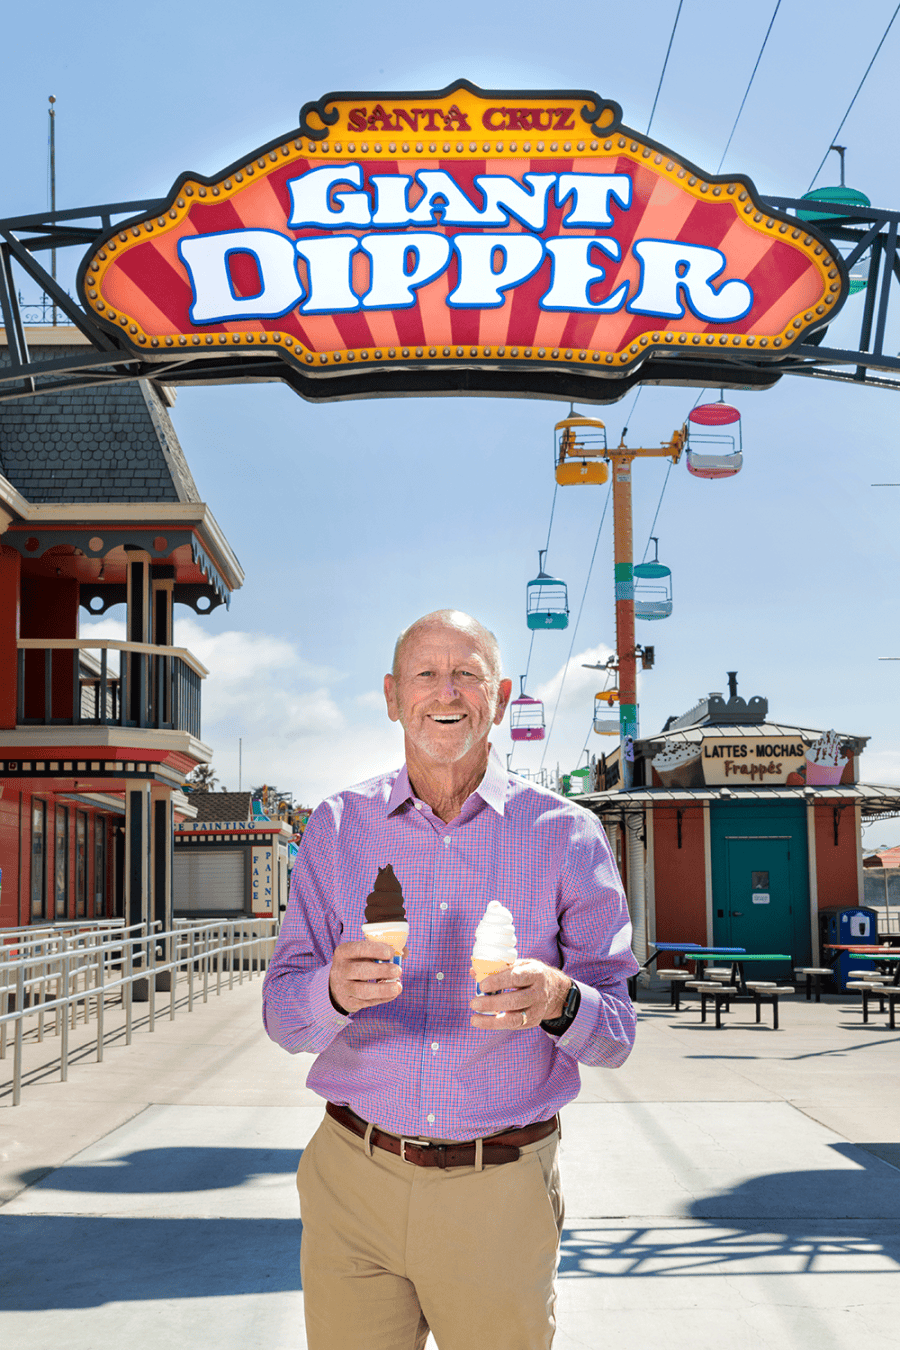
[844, 924]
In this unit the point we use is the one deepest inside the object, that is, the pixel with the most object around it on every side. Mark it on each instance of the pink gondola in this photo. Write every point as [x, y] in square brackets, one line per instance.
[727, 458]
[526, 717]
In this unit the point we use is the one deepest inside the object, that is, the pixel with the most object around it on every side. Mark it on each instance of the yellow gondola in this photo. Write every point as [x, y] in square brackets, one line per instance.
[580, 444]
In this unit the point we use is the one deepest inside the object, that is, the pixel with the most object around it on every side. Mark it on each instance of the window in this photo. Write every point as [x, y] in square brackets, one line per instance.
[62, 862]
[38, 860]
[81, 867]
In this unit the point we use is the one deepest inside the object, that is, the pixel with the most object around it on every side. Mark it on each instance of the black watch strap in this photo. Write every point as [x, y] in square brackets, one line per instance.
[557, 1025]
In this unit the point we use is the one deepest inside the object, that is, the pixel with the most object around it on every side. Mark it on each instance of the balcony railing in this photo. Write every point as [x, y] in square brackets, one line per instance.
[62, 683]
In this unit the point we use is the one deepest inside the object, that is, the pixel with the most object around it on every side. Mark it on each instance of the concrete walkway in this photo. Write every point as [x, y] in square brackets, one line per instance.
[737, 1187]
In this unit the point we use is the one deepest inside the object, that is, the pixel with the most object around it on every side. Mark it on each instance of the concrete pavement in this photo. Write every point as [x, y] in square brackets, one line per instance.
[736, 1187]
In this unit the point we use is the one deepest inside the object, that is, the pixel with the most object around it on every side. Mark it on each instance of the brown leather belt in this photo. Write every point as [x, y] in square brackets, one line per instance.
[497, 1148]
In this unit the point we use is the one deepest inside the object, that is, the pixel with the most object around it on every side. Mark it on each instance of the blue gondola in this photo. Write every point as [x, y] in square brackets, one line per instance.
[546, 599]
[652, 588]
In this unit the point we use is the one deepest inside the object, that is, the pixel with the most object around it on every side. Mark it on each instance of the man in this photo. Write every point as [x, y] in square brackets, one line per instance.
[430, 1194]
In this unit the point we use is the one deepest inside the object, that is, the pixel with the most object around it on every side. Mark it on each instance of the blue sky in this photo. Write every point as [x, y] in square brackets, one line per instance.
[351, 519]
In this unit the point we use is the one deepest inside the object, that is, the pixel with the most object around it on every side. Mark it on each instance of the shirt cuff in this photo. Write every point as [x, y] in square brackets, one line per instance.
[323, 1014]
[575, 1038]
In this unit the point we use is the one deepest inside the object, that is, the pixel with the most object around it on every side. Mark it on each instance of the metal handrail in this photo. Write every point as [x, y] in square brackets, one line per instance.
[192, 948]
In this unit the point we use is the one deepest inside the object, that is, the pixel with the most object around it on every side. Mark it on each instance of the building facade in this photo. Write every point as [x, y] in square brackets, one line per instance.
[99, 513]
[738, 830]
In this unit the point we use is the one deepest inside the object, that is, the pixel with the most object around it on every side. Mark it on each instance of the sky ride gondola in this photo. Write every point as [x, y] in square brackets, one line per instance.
[652, 587]
[605, 722]
[546, 599]
[841, 195]
[714, 451]
[580, 445]
[526, 716]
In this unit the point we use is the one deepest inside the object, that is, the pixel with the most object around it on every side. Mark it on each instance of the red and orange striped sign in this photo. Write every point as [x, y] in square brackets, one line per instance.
[467, 226]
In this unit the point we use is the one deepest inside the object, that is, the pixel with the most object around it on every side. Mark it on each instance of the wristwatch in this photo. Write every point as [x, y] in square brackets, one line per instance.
[557, 1025]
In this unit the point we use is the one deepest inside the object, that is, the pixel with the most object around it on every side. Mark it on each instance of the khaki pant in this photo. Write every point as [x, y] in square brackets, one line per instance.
[390, 1250]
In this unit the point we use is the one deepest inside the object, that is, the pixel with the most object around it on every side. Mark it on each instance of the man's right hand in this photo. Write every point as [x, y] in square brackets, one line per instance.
[362, 975]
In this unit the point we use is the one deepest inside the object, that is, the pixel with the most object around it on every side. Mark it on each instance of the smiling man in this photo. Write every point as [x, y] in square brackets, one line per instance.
[430, 1193]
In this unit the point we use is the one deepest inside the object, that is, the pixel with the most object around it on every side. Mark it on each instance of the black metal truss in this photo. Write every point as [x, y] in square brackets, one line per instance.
[858, 230]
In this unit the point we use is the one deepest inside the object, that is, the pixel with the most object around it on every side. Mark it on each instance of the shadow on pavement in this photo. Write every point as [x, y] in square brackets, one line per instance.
[165, 1171]
[76, 1262]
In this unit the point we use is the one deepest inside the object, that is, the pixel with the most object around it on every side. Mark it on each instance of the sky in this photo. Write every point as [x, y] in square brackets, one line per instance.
[351, 519]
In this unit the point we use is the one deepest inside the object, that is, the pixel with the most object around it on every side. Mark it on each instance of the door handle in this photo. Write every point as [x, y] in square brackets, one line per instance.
[737, 913]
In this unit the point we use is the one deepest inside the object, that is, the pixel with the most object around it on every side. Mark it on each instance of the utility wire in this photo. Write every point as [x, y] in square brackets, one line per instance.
[855, 96]
[747, 90]
[662, 75]
[577, 622]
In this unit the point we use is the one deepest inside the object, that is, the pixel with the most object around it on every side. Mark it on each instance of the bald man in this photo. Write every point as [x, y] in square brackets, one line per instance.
[430, 1194]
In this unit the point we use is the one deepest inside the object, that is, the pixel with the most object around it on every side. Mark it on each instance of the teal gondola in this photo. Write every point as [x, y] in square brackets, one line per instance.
[546, 599]
[652, 588]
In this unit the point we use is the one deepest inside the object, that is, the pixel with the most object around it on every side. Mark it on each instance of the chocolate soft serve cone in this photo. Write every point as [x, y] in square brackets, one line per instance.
[385, 914]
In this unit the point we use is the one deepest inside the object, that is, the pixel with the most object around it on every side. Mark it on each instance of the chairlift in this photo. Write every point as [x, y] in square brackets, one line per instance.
[604, 723]
[580, 446]
[841, 195]
[546, 599]
[652, 588]
[526, 717]
[707, 427]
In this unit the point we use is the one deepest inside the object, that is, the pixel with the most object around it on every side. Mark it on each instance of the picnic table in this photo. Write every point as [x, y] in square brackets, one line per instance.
[688, 949]
[881, 958]
[861, 951]
[738, 959]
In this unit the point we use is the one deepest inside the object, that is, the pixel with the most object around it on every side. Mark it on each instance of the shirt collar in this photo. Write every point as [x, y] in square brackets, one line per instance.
[492, 789]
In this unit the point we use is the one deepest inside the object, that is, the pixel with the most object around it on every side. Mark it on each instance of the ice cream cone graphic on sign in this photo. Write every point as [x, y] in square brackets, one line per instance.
[495, 943]
[385, 915]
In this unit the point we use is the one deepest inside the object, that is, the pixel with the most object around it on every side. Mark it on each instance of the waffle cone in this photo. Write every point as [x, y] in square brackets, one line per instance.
[395, 938]
[482, 967]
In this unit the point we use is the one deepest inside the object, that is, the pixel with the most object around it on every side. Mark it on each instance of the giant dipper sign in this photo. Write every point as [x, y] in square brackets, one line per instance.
[471, 241]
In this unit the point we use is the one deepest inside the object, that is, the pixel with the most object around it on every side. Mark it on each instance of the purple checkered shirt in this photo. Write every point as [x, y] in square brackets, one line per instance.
[415, 1066]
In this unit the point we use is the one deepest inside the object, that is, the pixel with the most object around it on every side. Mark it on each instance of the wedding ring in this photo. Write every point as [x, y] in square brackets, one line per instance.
[524, 1018]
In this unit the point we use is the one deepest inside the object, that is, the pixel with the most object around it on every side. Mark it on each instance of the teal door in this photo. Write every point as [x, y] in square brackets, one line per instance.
[759, 909]
[760, 882]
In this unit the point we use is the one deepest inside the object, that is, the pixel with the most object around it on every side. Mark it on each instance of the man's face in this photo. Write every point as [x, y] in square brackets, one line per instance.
[446, 695]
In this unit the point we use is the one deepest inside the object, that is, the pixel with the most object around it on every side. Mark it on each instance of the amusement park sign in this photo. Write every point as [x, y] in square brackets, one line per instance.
[396, 233]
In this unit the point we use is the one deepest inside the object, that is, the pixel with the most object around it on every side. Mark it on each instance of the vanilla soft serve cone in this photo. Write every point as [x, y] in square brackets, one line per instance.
[385, 915]
[495, 943]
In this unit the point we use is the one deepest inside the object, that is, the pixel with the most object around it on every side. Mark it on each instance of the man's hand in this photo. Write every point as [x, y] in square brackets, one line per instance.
[363, 975]
[532, 988]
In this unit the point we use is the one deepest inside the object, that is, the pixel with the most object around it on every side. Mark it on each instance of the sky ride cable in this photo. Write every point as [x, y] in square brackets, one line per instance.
[577, 622]
[662, 74]
[750, 82]
[854, 98]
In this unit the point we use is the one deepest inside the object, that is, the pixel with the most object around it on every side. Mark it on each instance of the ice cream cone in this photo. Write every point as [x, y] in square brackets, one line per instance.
[393, 933]
[482, 967]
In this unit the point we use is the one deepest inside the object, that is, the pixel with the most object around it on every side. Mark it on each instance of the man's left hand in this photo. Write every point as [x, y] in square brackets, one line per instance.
[530, 988]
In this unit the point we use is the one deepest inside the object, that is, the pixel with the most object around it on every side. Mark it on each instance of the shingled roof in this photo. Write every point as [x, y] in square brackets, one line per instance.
[111, 443]
[213, 806]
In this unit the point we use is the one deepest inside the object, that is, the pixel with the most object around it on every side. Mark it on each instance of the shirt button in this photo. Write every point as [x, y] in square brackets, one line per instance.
[439, 975]
[434, 1046]
[443, 904]
[446, 839]
[430, 1117]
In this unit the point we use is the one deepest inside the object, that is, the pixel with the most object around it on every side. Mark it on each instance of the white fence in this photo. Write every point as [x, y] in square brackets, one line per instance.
[60, 974]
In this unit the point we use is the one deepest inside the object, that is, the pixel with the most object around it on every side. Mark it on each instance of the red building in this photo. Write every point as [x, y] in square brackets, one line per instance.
[98, 513]
[739, 829]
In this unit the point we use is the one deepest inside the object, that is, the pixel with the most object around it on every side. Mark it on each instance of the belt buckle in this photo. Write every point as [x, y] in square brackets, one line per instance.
[439, 1149]
[403, 1143]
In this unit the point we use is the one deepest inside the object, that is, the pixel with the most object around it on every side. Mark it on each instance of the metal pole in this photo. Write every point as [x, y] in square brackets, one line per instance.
[623, 549]
[53, 191]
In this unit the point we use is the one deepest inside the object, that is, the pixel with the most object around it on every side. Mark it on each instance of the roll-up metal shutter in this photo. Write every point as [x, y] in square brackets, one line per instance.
[210, 881]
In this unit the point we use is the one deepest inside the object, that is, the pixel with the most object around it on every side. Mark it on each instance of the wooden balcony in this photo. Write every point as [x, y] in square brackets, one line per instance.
[61, 682]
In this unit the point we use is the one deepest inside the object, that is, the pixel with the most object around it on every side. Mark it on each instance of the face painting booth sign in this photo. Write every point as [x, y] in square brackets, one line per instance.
[393, 235]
